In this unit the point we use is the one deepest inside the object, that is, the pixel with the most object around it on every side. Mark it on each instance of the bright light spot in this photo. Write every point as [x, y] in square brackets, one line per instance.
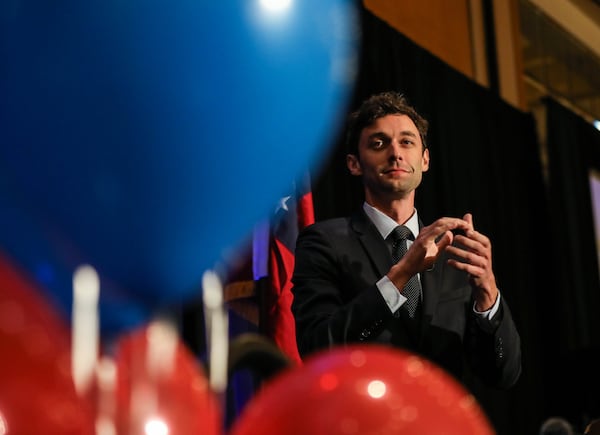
[156, 426]
[275, 5]
[597, 124]
[376, 389]
[3, 425]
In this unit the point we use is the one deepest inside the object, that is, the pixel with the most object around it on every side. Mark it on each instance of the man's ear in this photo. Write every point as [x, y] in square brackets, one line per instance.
[353, 164]
[425, 161]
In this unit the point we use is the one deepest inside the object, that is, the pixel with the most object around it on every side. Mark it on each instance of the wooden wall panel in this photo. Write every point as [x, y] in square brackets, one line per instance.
[440, 26]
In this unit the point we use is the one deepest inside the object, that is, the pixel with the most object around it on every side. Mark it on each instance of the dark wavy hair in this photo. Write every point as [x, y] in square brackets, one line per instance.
[377, 106]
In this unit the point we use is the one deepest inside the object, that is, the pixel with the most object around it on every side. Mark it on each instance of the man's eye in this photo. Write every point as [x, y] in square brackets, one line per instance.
[377, 143]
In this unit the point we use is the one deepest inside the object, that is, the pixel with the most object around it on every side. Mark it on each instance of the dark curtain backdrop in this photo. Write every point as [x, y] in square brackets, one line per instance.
[574, 150]
[484, 160]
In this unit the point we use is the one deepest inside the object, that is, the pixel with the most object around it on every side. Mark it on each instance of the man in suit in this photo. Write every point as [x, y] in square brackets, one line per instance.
[439, 299]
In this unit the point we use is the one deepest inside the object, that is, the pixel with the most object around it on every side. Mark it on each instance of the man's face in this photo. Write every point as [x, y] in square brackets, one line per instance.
[391, 159]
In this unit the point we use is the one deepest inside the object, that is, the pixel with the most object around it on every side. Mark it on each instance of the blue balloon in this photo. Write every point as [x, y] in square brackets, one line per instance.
[147, 137]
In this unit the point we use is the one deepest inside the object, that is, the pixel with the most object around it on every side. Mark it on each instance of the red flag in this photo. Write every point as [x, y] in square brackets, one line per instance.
[296, 212]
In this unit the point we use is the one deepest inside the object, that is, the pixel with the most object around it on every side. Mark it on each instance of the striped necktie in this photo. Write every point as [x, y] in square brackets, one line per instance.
[412, 289]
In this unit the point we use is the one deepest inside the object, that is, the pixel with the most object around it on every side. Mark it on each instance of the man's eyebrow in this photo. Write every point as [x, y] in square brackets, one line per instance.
[381, 134]
[408, 133]
[378, 134]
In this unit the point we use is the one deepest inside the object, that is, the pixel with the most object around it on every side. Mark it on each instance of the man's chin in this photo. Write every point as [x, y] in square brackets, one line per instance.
[396, 192]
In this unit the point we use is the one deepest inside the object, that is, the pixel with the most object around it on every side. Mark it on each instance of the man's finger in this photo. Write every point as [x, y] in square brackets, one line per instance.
[444, 240]
[469, 218]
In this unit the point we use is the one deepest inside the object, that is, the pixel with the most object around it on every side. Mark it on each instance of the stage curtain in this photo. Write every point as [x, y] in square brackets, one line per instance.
[573, 151]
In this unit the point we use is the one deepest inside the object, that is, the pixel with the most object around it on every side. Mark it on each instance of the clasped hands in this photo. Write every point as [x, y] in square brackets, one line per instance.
[471, 251]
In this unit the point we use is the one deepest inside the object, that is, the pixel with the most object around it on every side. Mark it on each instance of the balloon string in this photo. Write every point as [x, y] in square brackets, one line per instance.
[85, 327]
[217, 333]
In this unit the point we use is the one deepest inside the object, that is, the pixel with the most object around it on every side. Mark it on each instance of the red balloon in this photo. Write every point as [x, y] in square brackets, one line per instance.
[171, 393]
[37, 394]
[363, 390]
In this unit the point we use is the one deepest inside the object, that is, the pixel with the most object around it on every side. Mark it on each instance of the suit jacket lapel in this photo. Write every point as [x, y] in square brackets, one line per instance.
[372, 242]
[431, 280]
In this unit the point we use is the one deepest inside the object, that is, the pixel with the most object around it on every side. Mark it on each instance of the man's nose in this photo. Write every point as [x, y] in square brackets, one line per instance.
[396, 150]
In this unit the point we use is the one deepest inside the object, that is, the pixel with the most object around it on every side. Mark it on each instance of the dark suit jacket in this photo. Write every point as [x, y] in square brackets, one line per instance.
[336, 301]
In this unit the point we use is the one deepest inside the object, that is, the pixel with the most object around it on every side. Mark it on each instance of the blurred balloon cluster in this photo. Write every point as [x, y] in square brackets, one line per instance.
[145, 383]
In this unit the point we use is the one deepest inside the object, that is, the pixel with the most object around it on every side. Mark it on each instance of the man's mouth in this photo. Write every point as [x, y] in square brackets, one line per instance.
[397, 170]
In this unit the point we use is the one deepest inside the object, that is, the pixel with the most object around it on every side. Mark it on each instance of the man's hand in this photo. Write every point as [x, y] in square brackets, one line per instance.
[427, 247]
[474, 252]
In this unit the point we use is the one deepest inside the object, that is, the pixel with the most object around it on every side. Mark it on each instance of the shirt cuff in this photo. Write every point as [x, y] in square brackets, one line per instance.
[484, 318]
[392, 297]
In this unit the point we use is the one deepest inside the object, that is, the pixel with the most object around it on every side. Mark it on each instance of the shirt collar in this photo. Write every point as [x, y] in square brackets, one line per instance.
[385, 224]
